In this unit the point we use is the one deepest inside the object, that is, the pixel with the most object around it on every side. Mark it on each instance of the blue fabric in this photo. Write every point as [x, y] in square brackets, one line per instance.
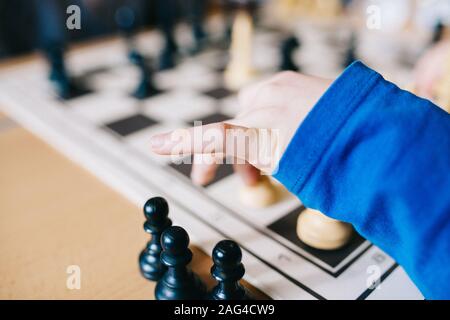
[378, 157]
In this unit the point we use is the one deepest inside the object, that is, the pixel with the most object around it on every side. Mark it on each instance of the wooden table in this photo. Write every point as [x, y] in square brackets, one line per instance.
[54, 214]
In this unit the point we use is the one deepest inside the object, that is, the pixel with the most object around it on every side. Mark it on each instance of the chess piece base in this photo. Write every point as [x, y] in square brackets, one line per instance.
[321, 232]
[190, 289]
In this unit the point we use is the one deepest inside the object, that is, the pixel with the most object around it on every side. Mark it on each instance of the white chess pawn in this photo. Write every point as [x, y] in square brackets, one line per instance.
[321, 232]
[239, 70]
[260, 195]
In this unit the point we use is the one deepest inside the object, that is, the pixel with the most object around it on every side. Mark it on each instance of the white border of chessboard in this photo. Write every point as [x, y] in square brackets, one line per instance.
[119, 165]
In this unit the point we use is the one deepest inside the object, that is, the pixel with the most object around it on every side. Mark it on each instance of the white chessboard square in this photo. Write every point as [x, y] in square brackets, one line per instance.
[122, 78]
[188, 75]
[229, 106]
[179, 106]
[82, 60]
[266, 52]
[213, 58]
[105, 107]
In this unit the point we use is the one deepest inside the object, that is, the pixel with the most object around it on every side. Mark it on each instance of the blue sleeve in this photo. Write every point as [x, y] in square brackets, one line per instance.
[378, 157]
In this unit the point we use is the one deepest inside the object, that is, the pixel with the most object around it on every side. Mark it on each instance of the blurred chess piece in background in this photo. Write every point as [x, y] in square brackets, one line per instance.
[239, 70]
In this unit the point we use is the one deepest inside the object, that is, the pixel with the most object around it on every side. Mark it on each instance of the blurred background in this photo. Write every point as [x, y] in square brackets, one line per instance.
[25, 24]
[379, 32]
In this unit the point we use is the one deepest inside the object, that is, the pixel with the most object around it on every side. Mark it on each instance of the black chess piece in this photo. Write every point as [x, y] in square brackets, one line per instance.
[197, 10]
[146, 87]
[228, 270]
[289, 45]
[127, 21]
[166, 20]
[227, 9]
[438, 32]
[65, 86]
[156, 212]
[58, 73]
[179, 282]
[350, 55]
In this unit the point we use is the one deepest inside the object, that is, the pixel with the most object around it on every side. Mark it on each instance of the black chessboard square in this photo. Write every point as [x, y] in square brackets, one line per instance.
[223, 171]
[77, 89]
[287, 228]
[212, 118]
[131, 124]
[218, 93]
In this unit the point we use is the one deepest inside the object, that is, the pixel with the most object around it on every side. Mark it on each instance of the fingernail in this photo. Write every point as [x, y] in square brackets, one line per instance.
[156, 142]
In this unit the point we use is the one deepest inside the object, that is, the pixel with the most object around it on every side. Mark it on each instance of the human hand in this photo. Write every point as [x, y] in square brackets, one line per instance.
[430, 69]
[271, 112]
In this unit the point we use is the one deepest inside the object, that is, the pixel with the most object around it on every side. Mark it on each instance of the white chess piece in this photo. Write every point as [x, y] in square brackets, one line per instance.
[260, 195]
[239, 71]
[321, 232]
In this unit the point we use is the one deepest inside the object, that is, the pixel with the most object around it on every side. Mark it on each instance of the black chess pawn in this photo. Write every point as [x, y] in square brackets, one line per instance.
[288, 47]
[156, 212]
[127, 21]
[146, 87]
[166, 20]
[58, 74]
[179, 282]
[228, 270]
[65, 86]
[197, 10]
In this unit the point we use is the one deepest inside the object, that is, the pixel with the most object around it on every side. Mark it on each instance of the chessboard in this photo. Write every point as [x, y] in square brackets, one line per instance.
[107, 131]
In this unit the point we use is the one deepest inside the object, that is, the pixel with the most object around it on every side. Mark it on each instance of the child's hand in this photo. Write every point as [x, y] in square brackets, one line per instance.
[430, 69]
[271, 112]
